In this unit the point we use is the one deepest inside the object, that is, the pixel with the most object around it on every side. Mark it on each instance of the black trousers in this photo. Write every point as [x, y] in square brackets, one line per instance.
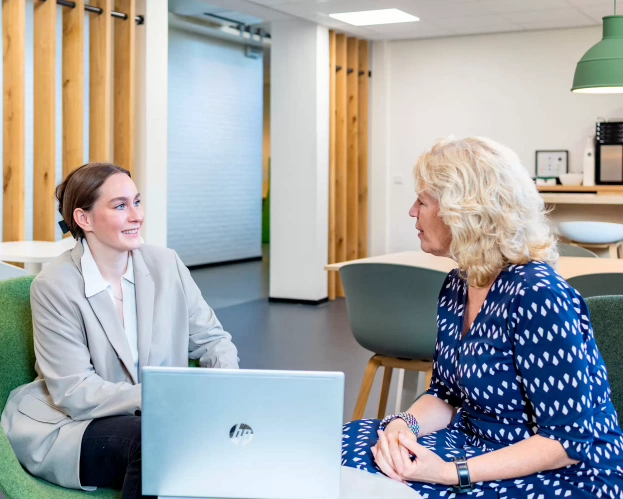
[110, 455]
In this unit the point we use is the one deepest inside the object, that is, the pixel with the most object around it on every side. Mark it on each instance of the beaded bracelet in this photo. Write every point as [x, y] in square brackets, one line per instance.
[406, 417]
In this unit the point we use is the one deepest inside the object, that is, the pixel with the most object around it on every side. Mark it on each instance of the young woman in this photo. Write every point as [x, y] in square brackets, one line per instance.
[101, 312]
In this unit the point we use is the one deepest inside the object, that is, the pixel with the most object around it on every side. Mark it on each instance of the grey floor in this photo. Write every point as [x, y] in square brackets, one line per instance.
[285, 336]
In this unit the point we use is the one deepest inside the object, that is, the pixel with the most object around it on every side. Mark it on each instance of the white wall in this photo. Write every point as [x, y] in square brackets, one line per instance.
[215, 149]
[513, 88]
[300, 160]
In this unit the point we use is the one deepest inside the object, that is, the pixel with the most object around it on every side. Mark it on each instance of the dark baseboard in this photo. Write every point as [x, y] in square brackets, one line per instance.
[228, 262]
[298, 302]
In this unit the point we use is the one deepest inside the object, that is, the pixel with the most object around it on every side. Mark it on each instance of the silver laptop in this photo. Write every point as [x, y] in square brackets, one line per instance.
[227, 433]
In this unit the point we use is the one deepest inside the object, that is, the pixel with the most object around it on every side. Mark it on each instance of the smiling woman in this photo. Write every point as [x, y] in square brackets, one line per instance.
[101, 312]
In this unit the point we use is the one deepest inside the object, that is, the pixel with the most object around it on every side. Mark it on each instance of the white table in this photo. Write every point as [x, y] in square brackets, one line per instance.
[357, 484]
[34, 254]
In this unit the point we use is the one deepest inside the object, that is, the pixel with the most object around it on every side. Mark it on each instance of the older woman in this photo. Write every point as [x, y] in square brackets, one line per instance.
[519, 404]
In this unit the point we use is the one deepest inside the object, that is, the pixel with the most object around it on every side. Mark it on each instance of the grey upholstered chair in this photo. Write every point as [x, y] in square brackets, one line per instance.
[598, 284]
[572, 250]
[393, 312]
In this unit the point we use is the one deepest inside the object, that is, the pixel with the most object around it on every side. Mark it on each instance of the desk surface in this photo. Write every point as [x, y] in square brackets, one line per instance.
[34, 251]
[567, 266]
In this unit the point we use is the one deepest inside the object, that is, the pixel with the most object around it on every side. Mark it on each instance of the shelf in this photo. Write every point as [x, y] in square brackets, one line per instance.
[582, 198]
[607, 190]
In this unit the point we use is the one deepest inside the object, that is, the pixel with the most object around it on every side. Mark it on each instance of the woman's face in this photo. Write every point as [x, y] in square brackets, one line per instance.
[117, 216]
[435, 236]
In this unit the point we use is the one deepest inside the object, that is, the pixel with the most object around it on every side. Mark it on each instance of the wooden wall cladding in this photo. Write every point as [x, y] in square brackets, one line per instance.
[14, 118]
[73, 87]
[102, 30]
[100, 83]
[124, 62]
[44, 155]
[348, 173]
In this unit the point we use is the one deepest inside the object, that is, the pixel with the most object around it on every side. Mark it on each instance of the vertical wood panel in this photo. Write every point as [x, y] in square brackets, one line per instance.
[364, 86]
[100, 81]
[124, 43]
[44, 176]
[73, 87]
[352, 224]
[14, 119]
[340, 154]
[332, 248]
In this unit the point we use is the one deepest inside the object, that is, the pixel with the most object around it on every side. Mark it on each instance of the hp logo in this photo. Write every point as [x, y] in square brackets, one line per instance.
[241, 434]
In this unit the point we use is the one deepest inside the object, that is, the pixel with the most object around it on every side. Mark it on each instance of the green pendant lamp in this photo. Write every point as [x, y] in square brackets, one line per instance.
[600, 71]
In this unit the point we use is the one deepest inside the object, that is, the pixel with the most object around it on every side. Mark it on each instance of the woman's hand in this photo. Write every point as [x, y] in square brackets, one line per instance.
[389, 455]
[427, 466]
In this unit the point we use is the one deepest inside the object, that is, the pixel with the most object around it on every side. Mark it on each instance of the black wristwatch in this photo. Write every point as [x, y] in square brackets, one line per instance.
[465, 483]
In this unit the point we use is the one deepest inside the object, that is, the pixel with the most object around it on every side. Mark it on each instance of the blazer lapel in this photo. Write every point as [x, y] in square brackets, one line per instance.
[107, 315]
[104, 309]
[144, 287]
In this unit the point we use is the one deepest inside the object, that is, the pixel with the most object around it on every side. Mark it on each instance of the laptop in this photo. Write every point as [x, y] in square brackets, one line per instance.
[253, 434]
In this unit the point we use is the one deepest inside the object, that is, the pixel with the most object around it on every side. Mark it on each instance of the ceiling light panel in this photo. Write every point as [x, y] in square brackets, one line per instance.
[374, 17]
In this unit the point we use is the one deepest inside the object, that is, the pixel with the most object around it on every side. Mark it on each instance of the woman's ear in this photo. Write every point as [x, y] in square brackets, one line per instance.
[83, 219]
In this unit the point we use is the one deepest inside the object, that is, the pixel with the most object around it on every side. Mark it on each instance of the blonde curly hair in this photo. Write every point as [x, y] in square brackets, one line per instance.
[490, 204]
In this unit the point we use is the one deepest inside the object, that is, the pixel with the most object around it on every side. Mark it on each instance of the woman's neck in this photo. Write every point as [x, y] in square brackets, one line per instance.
[111, 263]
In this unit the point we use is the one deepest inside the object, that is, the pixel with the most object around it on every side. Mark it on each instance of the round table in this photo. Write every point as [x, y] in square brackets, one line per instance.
[34, 254]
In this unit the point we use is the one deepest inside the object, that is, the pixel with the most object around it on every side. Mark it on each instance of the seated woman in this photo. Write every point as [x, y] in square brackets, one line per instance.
[519, 404]
[101, 312]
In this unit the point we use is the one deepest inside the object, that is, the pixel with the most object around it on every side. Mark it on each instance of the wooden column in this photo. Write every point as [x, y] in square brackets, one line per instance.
[332, 77]
[124, 49]
[352, 209]
[44, 177]
[364, 99]
[73, 87]
[340, 154]
[100, 82]
[14, 118]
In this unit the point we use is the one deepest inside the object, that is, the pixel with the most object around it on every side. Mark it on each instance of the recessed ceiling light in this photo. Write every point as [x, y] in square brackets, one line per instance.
[370, 17]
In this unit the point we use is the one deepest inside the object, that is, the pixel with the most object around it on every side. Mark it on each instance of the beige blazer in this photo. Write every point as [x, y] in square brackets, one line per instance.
[84, 364]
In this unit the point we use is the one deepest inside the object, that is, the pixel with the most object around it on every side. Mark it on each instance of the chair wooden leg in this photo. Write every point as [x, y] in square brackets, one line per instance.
[387, 379]
[366, 386]
[613, 250]
[429, 376]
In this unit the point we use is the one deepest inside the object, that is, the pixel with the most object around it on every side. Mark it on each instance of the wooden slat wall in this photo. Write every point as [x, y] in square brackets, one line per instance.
[44, 175]
[364, 90]
[14, 119]
[124, 62]
[352, 84]
[348, 174]
[100, 81]
[332, 135]
[73, 87]
[340, 154]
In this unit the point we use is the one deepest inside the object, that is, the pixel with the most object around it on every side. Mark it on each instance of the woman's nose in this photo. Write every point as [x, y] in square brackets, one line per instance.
[136, 213]
[413, 212]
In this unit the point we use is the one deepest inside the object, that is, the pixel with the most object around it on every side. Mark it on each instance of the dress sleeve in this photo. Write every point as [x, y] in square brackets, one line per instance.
[553, 362]
[439, 388]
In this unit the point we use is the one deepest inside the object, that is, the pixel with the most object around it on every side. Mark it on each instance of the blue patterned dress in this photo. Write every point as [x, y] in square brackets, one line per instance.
[528, 365]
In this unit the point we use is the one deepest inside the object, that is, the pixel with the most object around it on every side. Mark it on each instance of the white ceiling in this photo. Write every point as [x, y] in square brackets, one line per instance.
[437, 17]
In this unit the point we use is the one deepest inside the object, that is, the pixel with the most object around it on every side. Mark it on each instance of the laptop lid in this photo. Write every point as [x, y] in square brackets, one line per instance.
[232, 433]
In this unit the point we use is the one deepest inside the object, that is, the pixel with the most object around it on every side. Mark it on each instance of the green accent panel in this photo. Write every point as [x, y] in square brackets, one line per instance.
[602, 65]
[266, 219]
[607, 320]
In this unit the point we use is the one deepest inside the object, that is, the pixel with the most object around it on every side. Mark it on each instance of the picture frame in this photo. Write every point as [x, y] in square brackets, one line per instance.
[551, 163]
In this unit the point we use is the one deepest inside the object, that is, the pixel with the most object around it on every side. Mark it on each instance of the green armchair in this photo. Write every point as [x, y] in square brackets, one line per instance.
[17, 361]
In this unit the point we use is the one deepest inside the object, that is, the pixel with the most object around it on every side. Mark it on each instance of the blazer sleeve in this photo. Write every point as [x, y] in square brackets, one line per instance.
[208, 341]
[64, 360]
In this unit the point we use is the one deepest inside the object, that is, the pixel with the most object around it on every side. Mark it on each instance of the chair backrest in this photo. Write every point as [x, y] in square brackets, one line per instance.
[576, 251]
[607, 320]
[598, 284]
[393, 308]
[17, 356]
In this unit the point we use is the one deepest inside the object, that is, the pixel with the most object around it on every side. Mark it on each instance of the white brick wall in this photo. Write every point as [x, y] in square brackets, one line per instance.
[215, 150]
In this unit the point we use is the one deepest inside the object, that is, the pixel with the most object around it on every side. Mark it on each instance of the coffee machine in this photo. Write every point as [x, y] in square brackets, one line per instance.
[609, 153]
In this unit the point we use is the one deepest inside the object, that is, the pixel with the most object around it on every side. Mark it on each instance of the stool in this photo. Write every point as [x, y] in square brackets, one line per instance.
[594, 235]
